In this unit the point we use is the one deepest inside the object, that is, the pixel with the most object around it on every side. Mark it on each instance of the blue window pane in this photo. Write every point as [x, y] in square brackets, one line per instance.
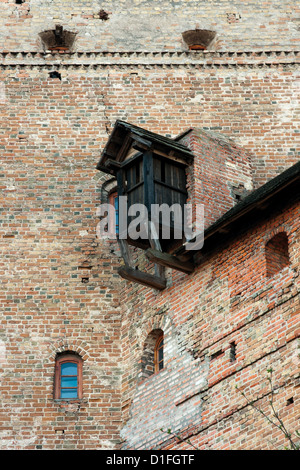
[69, 368]
[117, 213]
[68, 393]
[68, 382]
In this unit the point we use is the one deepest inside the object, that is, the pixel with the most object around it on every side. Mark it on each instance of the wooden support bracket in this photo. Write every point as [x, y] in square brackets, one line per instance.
[170, 261]
[131, 274]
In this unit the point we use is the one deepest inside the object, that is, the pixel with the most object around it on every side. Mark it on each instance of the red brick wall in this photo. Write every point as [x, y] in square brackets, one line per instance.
[229, 299]
[52, 133]
[277, 253]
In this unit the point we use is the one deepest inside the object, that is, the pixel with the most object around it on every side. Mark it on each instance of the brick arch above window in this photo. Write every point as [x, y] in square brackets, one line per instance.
[65, 345]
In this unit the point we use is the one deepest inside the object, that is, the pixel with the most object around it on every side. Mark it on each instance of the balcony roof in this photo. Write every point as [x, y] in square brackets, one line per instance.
[125, 137]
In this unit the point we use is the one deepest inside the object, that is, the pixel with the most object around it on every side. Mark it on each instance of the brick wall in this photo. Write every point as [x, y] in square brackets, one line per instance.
[140, 25]
[230, 299]
[251, 103]
[60, 288]
[219, 169]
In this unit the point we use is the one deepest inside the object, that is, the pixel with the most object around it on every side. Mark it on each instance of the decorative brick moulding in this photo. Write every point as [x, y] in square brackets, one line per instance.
[203, 59]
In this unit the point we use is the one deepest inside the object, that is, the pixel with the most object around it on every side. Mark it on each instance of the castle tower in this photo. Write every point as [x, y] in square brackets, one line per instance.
[90, 360]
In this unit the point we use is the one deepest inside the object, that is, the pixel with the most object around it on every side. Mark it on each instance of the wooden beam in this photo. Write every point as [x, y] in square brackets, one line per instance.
[155, 244]
[144, 142]
[145, 279]
[153, 236]
[112, 164]
[168, 260]
[126, 255]
[124, 148]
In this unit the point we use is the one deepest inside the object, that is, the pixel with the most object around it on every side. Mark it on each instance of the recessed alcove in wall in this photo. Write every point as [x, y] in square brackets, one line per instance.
[277, 253]
[198, 39]
[55, 74]
[58, 39]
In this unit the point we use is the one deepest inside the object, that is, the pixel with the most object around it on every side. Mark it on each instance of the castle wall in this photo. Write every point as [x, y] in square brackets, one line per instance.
[139, 25]
[60, 287]
[220, 171]
[229, 301]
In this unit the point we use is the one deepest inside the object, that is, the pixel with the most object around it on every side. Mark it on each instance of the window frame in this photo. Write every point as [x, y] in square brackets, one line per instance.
[62, 359]
[114, 224]
[159, 345]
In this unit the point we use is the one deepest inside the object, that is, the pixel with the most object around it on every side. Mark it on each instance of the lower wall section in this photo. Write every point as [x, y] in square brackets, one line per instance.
[177, 410]
[237, 425]
[226, 326]
[167, 400]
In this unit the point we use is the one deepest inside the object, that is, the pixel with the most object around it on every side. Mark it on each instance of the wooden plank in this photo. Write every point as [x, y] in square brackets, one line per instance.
[126, 255]
[145, 279]
[146, 143]
[148, 180]
[168, 260]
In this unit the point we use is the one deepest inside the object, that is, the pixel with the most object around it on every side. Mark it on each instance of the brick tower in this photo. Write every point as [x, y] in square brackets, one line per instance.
[99, 352]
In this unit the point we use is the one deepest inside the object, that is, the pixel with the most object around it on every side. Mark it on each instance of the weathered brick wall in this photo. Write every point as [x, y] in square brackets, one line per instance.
[219, 168]
[252, 100]
[52, 132]
[142, 25]
[60, 289]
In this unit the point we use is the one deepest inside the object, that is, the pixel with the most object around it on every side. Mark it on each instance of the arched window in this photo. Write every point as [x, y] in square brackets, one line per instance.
[68, 376]
[159, 354]
[277, 254]
[153, 353]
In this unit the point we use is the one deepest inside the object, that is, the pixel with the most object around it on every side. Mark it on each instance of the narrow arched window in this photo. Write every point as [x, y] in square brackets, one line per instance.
[114, 201]
[159, 354]
[152, 360]
[68, 376]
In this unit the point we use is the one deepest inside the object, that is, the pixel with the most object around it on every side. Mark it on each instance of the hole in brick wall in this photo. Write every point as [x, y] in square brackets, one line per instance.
[277, 254]
[55, 74]
[103, 15]
[290, 401]
[19, 2]
[85, 280]
[59, 431]
[233, 17]
[232, 353]
[239, 192]
[216, 355]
